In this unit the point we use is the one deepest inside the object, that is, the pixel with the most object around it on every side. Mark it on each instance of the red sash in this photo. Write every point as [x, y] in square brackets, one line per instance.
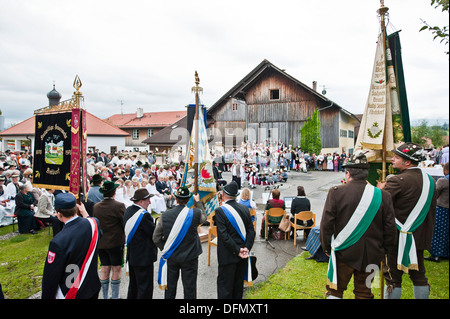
[71, 294]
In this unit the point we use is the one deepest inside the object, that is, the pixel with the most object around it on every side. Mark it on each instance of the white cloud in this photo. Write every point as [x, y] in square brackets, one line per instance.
[145, 52]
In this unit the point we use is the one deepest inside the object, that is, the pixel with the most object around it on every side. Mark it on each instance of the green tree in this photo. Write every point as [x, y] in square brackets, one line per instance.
[420, 133]
[438, 32]
[434, 132]
[437, 135]
[310, 134]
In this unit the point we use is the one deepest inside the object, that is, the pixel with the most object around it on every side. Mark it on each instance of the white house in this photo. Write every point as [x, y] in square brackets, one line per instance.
[100, 135]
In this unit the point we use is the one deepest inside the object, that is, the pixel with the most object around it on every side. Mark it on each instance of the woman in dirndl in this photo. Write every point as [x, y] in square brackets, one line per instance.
[439, 243]
[24, 210]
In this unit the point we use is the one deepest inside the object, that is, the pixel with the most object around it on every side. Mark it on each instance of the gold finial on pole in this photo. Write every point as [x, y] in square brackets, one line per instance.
[197, 88]
[77, 94]
[382, 11]
[197, 79]
[77, 83]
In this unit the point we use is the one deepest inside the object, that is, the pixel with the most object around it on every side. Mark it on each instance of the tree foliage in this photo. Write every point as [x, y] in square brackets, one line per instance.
[310, 134]
[435, 133]
[438, 32]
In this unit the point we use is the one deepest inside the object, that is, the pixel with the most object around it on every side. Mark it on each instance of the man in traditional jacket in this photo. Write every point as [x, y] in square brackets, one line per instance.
[233, 243]
[414, 200]
[141, 251]
[180, 255]
[356, 231]
[110, 213]
[70, 269]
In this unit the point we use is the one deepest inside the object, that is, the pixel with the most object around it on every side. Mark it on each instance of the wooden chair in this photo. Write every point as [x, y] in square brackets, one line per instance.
[253, 215]
[273, 212]
[14, 219]
[212, 234]
[303, 216]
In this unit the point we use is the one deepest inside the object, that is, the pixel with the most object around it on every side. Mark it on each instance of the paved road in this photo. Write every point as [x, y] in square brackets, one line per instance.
[270, 259]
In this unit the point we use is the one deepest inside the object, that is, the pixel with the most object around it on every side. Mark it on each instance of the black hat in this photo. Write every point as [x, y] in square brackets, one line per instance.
[140, 194]
[108, 187]
[96, 178]
[231, 189]
[410, 151]
[2, 178]
[357, 160]
[183, 192]
[138, 163]
[65, 201]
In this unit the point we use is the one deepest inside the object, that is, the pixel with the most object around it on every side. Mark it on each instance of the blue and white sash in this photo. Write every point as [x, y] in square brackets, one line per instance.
[236, 221]
[176, 236]
[132, 224]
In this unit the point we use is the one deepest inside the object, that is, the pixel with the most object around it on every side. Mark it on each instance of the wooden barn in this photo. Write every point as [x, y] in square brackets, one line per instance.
[271, 104]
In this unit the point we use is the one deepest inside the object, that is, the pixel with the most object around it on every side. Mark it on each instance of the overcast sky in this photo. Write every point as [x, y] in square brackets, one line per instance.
[145, 52]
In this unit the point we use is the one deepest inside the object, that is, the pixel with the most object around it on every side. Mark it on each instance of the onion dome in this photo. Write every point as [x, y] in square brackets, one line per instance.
[54, 96]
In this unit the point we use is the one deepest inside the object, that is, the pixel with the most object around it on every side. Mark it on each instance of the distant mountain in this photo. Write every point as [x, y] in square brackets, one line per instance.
[430, 122]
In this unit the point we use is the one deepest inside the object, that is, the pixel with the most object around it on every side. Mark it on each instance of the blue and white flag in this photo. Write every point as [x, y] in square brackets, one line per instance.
[206, 182]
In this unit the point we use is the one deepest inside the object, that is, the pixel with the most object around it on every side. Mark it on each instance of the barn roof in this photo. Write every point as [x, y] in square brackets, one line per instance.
[254, 75]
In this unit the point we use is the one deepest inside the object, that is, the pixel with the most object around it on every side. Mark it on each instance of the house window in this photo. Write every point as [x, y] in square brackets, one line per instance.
[149, 132]
[275, 94]
[135, 134]
[350, 134]
[234, 106]
[229, 131]
[343, 133]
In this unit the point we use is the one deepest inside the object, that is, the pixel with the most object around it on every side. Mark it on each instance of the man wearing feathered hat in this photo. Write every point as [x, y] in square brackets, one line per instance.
[412, 192]
[180, 222]
[356, 230]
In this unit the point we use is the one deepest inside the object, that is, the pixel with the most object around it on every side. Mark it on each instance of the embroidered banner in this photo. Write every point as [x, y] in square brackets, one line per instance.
[374, 117]
[85, 180]
[76, 151]
[52, 151]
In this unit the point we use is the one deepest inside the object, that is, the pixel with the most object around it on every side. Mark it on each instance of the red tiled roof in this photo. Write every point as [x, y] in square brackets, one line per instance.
[150, 119]
[95, 126]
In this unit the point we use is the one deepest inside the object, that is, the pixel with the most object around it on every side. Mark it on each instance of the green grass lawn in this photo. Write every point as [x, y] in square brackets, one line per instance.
[22, 261]
[306, 279]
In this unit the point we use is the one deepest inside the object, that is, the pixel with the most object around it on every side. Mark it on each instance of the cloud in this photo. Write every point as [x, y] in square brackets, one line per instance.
[145, 53]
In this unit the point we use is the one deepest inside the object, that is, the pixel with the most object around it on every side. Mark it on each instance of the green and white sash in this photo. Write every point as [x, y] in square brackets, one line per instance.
[407, 254]
[357, 225]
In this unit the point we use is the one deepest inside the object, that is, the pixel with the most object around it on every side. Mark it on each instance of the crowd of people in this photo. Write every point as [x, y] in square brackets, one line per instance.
[116, 214]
